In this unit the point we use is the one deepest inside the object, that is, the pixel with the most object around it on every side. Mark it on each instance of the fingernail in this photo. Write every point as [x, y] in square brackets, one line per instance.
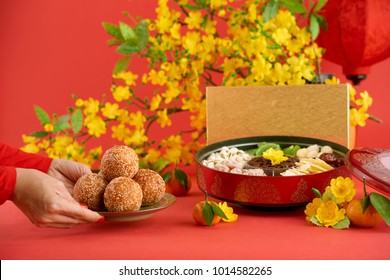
[83, 205]
[101, 220]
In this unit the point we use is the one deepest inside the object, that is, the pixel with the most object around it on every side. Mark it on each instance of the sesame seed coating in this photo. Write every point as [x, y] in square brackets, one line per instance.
[119, 161]
[123, 194]
[152, 185]
[89, 189]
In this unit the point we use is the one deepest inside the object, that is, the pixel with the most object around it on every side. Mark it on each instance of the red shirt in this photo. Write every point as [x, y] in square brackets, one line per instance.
[10, 159]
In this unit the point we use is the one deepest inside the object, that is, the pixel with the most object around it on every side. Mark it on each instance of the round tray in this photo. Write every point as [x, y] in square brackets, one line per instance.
[265, 191]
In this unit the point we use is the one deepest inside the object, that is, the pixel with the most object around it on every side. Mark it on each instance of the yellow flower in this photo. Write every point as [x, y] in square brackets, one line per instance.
[329, 214]
[79, 102]
[152, 156]
[91, 106]
[358, 116]
[311, 208]
[155, 103]
[110, 110]
[194, 20]
[231, 217]
[365, 101]
[332, 81]
[158, 78]
[120, 93]
[343, 189]
[96, 126]
[173, 155]
[120, 132]
[128, 77]
[276, 157]
[48, 127]
[137, 120]
[175, 31]
[163, 118]
[217, 3]
[281, 36]
[137, 138]
[30, 148]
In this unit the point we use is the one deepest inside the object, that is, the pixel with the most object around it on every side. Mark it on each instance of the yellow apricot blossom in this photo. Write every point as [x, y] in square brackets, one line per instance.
[187, 46]
[163, 118]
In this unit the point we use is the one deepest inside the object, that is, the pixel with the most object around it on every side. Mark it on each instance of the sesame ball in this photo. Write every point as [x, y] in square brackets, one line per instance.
[123, 194]
[119, 161]
[89, 190]
[152, 185]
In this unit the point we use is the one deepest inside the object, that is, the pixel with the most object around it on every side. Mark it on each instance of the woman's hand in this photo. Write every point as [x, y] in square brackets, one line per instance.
[67, 172]
[45, 198]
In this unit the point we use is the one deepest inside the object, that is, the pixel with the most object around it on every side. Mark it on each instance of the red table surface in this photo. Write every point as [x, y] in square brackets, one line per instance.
[271, 234]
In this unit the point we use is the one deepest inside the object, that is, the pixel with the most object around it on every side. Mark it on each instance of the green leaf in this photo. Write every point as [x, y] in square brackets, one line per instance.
[320, 4]
[160, 164]
[142, 32]
[77, 120]
[294, 6]
[329, 196]
[40, 134]
[316, 192]
[365, 202]
[314, 220]
[112, 30]
[208, 214]
[218, 211]
[322, 22]
[127, 32]
[122, 64]
[382, 205]
[344, 223]
[143, 164]
[202, 3]
[62, 123]
[182, 178]
[270, 10]
[192, 8]
[167, 176]
[128, 48]
[314, 27]
[42, 115]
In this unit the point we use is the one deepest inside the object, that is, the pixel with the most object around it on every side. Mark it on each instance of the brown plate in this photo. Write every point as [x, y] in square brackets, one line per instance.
[145, 211]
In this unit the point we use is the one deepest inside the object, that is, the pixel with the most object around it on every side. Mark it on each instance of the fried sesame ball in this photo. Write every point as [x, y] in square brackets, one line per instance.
[119, 161]
[152, 185]
[89, 190]
[123, 194]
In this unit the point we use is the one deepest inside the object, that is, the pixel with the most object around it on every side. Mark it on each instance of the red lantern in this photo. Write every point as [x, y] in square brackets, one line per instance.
[358, 35]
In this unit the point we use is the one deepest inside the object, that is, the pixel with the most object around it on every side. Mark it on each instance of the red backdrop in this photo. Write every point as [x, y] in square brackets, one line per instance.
[52, 49]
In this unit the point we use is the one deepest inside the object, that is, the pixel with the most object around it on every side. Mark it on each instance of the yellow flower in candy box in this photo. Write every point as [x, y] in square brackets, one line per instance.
[275, 156]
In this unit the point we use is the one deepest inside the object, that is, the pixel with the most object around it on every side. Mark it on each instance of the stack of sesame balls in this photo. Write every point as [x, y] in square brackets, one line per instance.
[120, 185]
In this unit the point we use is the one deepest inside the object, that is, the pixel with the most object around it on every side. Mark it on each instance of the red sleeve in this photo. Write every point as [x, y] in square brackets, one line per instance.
[7, 182]
[10, 156]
